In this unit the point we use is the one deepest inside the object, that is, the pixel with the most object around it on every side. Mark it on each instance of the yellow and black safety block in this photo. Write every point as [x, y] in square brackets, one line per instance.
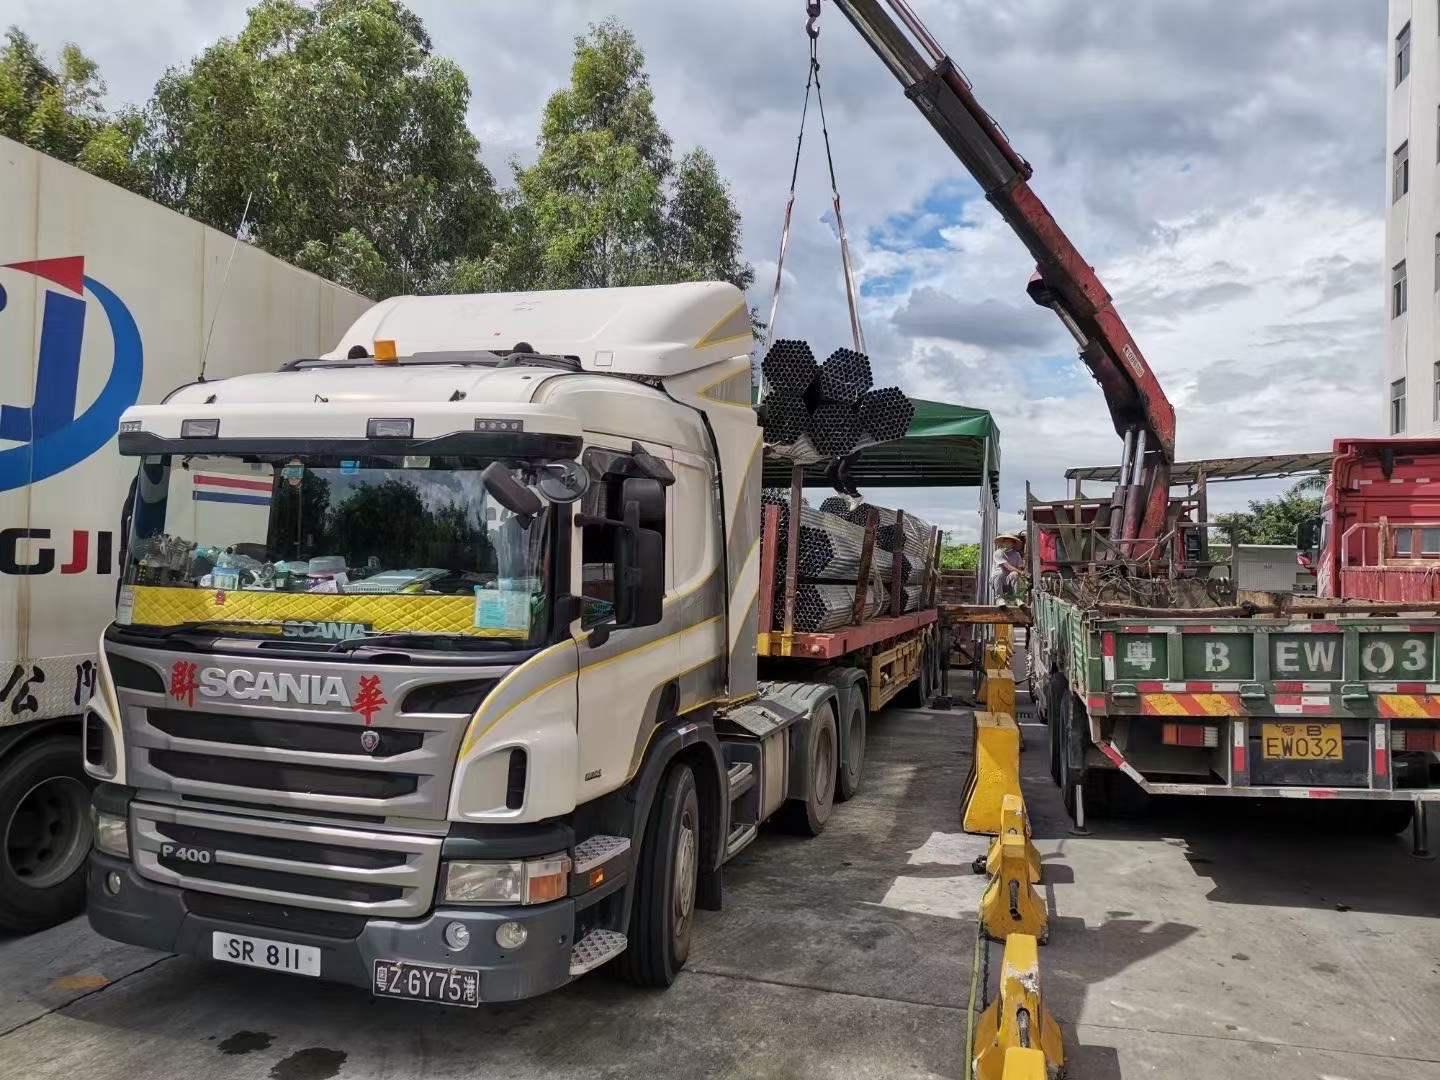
[1014, 822]
[1010, 904]
[994, 773]
[1016, 1035]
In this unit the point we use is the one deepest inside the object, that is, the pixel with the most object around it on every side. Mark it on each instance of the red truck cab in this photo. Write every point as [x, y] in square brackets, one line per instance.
[1380, 521]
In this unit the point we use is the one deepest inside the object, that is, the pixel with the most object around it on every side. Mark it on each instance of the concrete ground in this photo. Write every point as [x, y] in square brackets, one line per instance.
[1187, 942]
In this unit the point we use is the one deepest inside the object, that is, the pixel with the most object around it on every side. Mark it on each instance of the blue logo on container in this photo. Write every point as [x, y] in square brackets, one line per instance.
[52, 438]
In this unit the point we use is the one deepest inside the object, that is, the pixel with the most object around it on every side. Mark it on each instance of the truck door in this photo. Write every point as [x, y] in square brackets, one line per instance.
[622, 693]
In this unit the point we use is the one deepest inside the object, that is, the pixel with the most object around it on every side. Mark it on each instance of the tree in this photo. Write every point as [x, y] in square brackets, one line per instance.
[344, 133]
[605, 203]
[959, 556]
[1271, 521]
[58, 111]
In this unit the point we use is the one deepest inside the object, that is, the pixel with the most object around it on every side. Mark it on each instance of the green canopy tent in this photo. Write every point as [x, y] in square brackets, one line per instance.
[946, 446]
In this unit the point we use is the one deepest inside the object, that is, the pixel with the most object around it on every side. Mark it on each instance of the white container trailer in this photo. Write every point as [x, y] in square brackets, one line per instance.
[106, 301]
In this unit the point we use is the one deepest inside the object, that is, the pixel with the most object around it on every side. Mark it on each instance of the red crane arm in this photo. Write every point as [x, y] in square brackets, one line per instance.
[1064, 281]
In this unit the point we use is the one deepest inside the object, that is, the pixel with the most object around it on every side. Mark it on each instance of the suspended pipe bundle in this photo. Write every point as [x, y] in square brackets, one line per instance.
[843, 378]
[886, 414]
[835, 430]
[789, 368]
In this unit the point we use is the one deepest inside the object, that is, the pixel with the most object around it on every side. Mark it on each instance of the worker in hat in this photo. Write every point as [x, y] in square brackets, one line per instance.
[1007, 568]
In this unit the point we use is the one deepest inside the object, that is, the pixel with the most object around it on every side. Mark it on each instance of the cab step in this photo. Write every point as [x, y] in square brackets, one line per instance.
[741, 836]
[597, 851]
[594, 949]
[742, 778]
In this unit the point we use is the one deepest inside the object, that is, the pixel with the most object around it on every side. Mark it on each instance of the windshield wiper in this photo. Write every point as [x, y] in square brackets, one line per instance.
[417, 640]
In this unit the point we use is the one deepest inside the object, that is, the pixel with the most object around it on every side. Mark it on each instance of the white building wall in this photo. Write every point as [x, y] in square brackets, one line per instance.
[1413, 227]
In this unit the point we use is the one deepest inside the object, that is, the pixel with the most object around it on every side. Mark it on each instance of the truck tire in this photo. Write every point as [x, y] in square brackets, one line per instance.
[662, 916]
[919, 691]
[1074, 773]
[1055, 694]
[852, 769]
[44, 834]
[807, 816]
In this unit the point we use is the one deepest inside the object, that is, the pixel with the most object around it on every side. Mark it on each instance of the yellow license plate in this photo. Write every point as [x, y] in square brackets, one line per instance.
[1302, 742]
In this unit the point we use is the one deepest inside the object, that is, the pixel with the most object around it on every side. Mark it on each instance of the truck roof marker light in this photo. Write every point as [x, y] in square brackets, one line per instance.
[384, 351]
[395, 427]
[200, 429]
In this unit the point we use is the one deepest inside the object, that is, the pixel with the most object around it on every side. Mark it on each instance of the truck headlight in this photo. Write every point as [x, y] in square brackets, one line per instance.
[112, 834]
[533, 881]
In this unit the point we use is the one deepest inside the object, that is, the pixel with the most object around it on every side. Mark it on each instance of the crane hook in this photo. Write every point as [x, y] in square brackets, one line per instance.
[812, 26]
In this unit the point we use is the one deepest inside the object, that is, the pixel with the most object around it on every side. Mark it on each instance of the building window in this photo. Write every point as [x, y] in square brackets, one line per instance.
[1397, 407]
[1399, 292]
[1400, 182]
[1402, 54]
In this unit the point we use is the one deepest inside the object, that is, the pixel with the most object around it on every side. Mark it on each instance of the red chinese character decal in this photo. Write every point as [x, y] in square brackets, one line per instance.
[182, 682]
[369, 698]
[220, 597]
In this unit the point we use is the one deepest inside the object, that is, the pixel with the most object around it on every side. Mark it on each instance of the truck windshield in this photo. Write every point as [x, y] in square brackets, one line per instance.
[334, 549]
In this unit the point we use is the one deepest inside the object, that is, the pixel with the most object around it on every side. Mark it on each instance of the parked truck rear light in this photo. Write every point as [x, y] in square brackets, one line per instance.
[1190, 735]
[1402, 739]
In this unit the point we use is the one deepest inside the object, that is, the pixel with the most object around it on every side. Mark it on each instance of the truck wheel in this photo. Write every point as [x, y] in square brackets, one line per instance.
[1055, 694]
[918, 692]
[44, 835]
[1378, 818]
[663, 913]
[807, 816]
[852, 769]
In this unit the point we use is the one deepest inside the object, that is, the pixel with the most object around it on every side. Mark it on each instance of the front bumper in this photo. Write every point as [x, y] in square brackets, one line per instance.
[171, 919]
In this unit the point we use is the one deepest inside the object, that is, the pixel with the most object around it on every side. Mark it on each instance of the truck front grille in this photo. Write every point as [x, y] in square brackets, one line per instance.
[336, 869]
[318, 738]
[283, 776]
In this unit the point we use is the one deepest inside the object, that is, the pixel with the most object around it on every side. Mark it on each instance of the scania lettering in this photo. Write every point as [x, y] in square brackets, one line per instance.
[282, 688]
[95, 316]
[453, 803]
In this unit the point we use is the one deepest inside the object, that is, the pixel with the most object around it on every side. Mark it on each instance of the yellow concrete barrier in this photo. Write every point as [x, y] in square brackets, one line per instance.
[1010, 904]
[999, 690]
[1017, 1021]
[994, 773]
[1021, 1064]
[1013, 822]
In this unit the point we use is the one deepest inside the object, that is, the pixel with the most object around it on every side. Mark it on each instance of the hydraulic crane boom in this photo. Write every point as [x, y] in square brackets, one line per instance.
[1063, 280]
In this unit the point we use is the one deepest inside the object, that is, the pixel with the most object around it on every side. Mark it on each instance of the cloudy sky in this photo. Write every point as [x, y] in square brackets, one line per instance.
[1221, 163]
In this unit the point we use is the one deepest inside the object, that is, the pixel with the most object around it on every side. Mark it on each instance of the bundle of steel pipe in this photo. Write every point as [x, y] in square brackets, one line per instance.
[912, 598]
[836, 430]
[843, 378]
[838, 504]
[815, 411]
[913, 546]
[830, 548]
[789, 368]
[819, 608]
[783, 419]
[886, 413]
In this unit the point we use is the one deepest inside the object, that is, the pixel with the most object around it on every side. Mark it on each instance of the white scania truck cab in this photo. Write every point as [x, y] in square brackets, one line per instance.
[434, 668]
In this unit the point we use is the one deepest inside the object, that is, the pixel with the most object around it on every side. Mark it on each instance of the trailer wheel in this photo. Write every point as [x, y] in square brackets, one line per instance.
[852, 769]
[1074, 741]
[44, 835]
[1055, 694]
[663, 913]
[808, 816]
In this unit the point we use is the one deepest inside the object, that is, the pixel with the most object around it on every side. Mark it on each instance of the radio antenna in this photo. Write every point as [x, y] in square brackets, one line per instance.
[224, 284]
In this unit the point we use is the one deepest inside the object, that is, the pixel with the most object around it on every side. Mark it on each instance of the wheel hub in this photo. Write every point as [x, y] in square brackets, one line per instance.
[46, 838]
[683, 889]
